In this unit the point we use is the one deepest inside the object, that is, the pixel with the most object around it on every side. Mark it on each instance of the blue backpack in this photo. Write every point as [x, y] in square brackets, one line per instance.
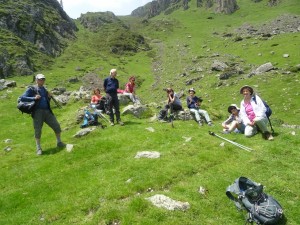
[89, 119]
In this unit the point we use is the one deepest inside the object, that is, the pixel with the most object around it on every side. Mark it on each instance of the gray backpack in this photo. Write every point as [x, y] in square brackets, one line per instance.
[261, 207]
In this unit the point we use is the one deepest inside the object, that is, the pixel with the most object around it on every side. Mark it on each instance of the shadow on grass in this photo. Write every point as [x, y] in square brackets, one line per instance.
[126, 123]
[52, 151]
[282, 221]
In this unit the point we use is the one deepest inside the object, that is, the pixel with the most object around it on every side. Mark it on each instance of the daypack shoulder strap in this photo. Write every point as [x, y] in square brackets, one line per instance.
[254, 98]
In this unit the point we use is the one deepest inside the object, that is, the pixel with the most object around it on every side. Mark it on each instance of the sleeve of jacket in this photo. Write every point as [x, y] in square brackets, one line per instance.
[28, 95]
[190, 103]
[105, 84]
[229, 120]
[258, 107]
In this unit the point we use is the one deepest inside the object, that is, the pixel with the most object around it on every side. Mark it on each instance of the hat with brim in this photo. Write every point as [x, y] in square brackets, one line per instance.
[248, 87]
[40, 76]
[233, 106]
[192, 89]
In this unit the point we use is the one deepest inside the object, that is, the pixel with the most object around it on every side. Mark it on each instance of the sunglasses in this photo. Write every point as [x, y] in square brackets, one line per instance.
[42, 79]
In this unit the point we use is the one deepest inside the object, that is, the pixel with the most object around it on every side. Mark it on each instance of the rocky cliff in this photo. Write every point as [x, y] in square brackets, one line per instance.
[156, 7]
[30, 30]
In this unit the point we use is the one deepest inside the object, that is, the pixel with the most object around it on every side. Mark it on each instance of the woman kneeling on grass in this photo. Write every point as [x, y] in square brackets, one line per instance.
[253, 114]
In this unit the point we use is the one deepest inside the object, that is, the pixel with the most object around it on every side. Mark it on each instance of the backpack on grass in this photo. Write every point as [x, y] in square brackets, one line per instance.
[249, 196]
[26, 107]
[90, 119]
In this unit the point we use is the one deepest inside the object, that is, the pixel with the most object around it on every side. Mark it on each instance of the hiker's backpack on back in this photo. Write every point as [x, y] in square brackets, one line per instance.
[26, 107]
[249, 195]
[268, 109]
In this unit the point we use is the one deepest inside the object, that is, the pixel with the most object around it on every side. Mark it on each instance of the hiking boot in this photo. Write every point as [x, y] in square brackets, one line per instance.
[111, 123]
[210, 124]
[268, 136]
[39, 151]
[61, 145]
[121, 123]
[226, 132]
[200, 123]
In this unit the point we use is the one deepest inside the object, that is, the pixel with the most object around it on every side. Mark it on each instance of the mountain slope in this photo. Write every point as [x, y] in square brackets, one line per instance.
[32, 32]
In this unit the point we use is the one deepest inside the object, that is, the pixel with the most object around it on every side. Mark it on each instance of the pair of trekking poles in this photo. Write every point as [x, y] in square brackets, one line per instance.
[231, 142]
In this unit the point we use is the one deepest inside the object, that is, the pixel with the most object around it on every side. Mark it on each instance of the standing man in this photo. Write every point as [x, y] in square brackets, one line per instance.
[111, 85]
[42, 112]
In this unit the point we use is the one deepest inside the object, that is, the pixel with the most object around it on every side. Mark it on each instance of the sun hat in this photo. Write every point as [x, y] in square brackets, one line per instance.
[233, 106]
[246, 86]
[40, 76]
[192, 89]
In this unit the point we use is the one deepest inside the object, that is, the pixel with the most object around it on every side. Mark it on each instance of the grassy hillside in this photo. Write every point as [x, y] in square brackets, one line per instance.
[100, 181]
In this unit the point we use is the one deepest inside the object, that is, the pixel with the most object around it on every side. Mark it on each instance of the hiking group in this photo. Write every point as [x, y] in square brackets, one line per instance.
[250, 118]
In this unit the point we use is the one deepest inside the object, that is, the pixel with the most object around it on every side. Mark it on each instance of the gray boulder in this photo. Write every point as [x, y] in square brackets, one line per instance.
[218, 66]
[138, 111]
[163, 201]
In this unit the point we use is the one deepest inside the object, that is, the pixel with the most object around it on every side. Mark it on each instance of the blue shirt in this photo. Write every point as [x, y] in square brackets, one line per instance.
[111, 85]
[192, 102]
[42, 103]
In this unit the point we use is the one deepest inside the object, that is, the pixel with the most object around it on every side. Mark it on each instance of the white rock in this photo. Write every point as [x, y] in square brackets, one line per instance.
[69, 147]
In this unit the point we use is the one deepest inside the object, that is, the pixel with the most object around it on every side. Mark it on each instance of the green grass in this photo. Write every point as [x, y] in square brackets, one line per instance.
[90, 184]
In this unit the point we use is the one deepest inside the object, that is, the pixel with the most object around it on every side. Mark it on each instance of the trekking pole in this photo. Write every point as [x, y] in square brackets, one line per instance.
[236, 144]
[103, 117]
[231, 142]
[56, 102]
[99, 113]
[271, 125]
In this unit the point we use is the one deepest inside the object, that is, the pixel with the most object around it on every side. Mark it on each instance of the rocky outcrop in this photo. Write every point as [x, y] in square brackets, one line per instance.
[30, 28]
[154, 8]
[220, 6]
[119, 38]
[226, 6]
[95, 21]
[285, 23]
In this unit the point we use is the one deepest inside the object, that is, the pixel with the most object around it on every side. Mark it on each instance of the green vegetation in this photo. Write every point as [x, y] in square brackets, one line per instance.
[100, 181]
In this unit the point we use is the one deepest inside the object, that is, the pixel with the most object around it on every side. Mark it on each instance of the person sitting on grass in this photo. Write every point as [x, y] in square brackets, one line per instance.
[130, 90]
[96, 97]
[174, 104]
[234, 122]
[194, 103]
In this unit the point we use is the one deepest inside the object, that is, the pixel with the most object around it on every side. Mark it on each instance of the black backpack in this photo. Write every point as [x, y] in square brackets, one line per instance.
[26, 107]
[249, 195]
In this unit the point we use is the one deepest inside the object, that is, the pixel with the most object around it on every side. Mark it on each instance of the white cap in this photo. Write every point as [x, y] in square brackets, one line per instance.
[40, 76]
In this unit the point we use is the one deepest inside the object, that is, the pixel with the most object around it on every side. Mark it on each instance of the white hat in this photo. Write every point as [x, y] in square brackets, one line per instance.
[40, 76]
[192, 89]
[233, 106]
